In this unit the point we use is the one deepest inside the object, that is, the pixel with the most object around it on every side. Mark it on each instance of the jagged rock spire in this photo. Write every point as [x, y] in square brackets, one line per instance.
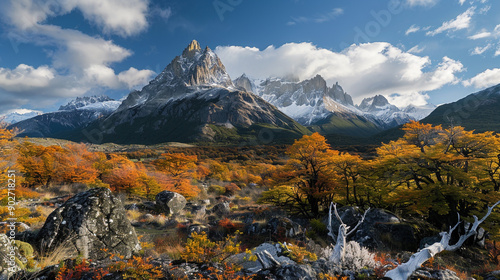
[191, 49]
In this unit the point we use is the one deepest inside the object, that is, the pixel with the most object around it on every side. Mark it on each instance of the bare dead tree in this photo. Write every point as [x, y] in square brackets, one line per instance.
[337, 255]
[403, 271]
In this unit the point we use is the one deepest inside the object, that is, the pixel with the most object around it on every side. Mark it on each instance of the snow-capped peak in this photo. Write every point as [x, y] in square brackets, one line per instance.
[195, 67]
[17, 115]
[80, 102]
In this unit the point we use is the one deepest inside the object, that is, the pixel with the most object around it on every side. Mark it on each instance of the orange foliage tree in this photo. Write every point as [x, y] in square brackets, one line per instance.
[181, 168]
[440, 172]
[309, 174]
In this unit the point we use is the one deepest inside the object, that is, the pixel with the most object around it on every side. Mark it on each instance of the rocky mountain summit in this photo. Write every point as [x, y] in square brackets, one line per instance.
[330, 109]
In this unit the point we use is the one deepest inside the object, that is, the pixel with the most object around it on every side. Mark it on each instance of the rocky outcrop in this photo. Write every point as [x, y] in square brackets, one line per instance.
[87, 223]
[243, 82]
[170, 203]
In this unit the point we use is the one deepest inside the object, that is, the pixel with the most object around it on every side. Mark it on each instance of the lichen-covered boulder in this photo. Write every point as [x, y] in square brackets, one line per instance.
[170, 202]
[91, 224]
[15, 255]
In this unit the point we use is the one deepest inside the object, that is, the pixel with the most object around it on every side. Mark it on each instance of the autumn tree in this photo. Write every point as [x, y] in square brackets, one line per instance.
[309, 174]
[176, 164]
[37, 163]
[124, 175]
[75, 164]
[7, 151]
[348, 169]
[438, 172]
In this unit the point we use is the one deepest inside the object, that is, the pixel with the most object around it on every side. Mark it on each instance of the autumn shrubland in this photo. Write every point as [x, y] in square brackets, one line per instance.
[427, 177]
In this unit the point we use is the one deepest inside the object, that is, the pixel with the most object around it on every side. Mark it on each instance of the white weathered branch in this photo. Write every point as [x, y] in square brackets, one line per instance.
[337, 255]
[403, 271]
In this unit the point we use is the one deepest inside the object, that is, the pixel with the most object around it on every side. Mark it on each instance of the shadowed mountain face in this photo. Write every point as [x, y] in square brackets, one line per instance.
[478, 111]
[193, 99]
[73, 116]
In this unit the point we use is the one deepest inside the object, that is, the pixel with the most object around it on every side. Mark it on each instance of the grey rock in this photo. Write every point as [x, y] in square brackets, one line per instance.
[283, 226]
[384, 230]
[293, 272]
[197, 228]
[170, 202]
[445, 275]
[254, 266]
[88, 222]
[222, 209]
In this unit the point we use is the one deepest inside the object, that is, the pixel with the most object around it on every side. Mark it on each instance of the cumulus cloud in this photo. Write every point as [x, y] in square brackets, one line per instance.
[122, 17]
[488, 78]
[80, 63]
[25, 77]
[363, 70]
[133, 77]
[462, 21]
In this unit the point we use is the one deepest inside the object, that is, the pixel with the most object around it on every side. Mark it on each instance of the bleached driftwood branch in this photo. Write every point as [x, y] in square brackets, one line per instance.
[337, 255]
[403, 271]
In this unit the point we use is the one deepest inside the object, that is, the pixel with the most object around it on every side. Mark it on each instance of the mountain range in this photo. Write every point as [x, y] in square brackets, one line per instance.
[75, 115]
[194, 100]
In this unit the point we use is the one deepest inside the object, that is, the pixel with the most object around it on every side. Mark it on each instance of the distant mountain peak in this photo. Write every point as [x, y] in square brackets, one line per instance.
[374, 102]
[84, 101]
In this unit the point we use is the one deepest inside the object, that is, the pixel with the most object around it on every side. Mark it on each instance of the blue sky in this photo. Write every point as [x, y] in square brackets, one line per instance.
[412, 51]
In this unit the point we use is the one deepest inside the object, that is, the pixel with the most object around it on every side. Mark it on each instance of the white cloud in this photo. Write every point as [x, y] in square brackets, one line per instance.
[497, 53]
[480, 50]
[80, 63]
[488, 78]
[133, 77]
[416, 49]
[462, 21]
[363, 70]
[25, 77]
[414, 28]
[461, 2]
[122, 17]
[481, 35]
[422, 2]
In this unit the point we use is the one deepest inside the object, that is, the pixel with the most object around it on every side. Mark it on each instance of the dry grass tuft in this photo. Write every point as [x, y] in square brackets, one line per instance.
[62, 252]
